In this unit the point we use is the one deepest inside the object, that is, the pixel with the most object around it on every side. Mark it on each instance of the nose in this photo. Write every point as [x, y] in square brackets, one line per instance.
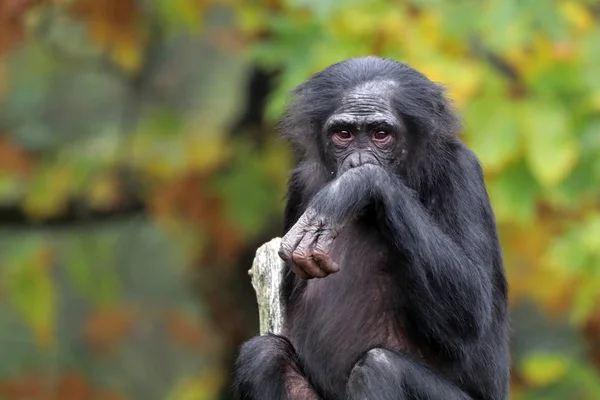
[354, 160]
[359, 158]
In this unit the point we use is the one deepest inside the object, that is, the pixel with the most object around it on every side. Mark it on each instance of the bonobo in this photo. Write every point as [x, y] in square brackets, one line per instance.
[395, 286]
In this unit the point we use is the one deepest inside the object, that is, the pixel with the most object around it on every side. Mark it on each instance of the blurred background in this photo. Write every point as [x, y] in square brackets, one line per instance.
[140, 170]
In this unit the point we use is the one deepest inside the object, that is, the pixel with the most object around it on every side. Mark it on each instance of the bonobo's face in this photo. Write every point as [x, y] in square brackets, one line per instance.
[365, 129]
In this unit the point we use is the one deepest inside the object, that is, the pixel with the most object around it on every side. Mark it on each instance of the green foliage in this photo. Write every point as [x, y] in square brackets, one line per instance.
[104, 104]
[30, 289]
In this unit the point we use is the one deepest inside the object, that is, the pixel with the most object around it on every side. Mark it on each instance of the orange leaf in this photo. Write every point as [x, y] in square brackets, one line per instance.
[185, 331]
[106, 395]
[113, 24]
[24, 387]
[73, 386]
[13, 158]
[105, 328]
[187, 198]
[3, 77]
[11, 22]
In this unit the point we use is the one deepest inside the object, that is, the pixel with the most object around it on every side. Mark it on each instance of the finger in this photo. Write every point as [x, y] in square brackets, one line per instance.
[299, 271]
[303, 255]
[326, 263]
[286, 255]
[322, 253]
[292, 238]
[288, 244]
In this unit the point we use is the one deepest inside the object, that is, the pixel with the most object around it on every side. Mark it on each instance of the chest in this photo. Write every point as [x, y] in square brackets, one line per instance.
[334, 320]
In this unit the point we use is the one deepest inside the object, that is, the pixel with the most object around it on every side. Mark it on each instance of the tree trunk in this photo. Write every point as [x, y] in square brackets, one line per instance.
[267, 274]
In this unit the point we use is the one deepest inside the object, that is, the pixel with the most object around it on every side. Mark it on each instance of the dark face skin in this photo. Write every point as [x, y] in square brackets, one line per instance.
[365, 129]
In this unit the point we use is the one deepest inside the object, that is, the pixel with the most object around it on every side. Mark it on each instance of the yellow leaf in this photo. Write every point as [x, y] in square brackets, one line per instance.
[462, 79]
[354, 21]
[492, 132]
[128, 55]
[392, 24]
[49, 192]
[585, 302]
[190, 11]
[577, 15]
[595, 100]
[429, 28]
[541, 369]
[551, 149]
[591, 231]
[104, 192]
[517, 57]
[251, 18]
[528, 270]
[205, 152]
[162, 169]
[206, 387]
[276, 160]
[113, 24]
[31, 291]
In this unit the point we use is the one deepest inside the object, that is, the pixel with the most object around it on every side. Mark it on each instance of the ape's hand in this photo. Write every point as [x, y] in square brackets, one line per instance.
[306, 247]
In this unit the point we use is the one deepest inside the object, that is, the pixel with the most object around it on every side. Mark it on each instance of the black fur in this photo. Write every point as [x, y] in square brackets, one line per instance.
[418, 309]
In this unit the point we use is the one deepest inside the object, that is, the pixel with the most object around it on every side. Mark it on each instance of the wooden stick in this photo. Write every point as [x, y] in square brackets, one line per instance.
[267, 274]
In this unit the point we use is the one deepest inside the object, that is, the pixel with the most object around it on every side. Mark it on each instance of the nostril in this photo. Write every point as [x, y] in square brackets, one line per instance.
[354, 160]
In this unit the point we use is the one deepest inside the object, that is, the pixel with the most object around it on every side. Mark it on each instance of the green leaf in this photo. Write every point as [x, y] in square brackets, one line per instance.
[505, 27]
[551, 147]
[513, 194]
[49, 192]
[247, 191]
[461, 18]
[31, 290]
[545, 18]
[541, 369]
[162, 123]
[591, 235]
[10, 187]
[89, 265]
[585, 301]
[569, 254]
[492, 132]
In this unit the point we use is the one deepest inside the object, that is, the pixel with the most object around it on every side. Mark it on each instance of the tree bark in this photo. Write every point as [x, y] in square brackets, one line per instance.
[267, 274]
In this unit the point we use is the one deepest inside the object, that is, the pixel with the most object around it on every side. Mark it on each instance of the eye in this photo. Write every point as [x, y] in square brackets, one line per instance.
[382, 137]
[341, 137]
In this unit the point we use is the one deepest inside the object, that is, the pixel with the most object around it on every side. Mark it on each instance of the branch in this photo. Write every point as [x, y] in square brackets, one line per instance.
[267, 274]
[76, 214]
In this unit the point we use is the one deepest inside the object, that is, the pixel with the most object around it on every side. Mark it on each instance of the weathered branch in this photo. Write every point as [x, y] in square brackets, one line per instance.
[267, 274]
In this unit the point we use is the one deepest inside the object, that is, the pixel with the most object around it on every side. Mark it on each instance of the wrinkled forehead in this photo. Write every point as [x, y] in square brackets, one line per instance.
[369, 102]
[368, 98]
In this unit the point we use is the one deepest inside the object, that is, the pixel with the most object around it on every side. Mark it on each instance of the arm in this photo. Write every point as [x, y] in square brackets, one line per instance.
[451, 252]
[267, 368]
[449, 249]
[306, 245]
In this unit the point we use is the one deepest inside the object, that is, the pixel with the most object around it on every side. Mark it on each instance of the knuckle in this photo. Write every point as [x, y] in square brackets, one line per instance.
[321, 254]
[299, 256]
[285, 252]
